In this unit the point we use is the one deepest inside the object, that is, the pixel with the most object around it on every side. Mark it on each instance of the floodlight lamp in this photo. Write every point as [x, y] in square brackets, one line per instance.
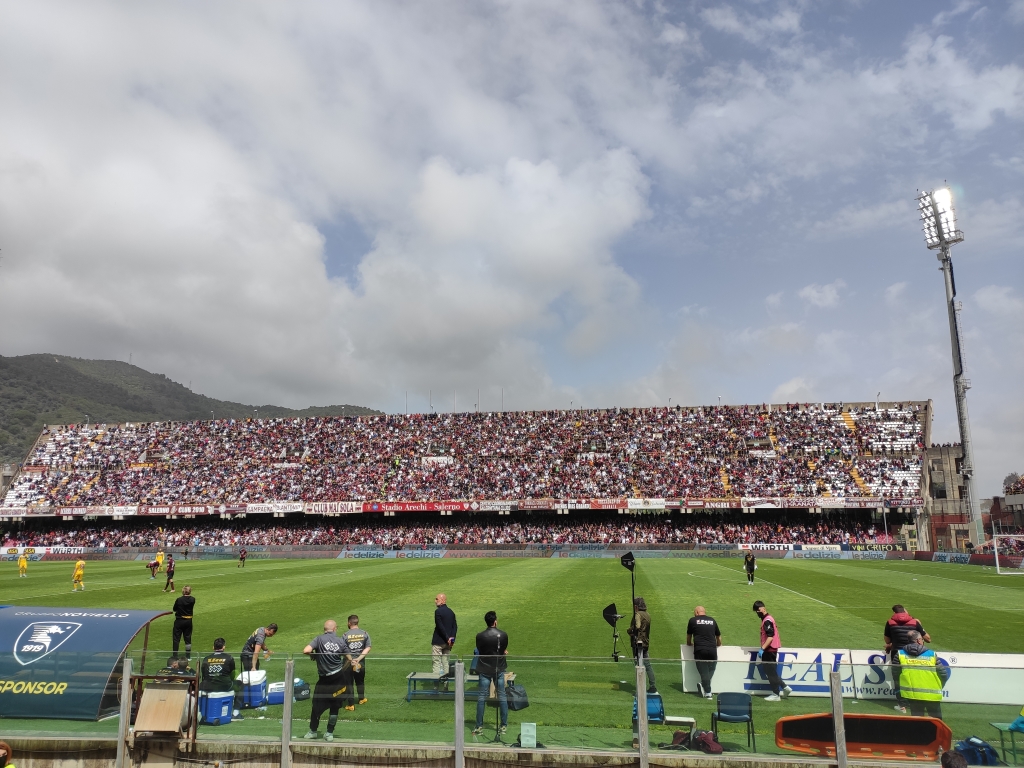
[938, 218]
[627, 560]
[611, 614]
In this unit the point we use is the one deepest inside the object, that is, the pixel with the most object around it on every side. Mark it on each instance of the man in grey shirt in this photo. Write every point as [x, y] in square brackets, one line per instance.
[328, 651]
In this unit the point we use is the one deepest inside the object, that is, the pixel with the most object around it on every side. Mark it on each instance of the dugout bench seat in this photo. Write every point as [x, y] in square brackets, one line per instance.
[431, 685]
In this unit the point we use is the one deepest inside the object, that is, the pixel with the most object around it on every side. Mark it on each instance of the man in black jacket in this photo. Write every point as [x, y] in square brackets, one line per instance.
[703, 635]
[184, 607]
[217, 669]
[445, 629]
[492, 644]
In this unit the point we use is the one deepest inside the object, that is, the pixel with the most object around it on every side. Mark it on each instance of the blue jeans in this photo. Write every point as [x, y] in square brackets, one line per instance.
[481, 697]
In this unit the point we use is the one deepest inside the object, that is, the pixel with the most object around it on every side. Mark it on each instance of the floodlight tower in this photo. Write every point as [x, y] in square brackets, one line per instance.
[940, 233]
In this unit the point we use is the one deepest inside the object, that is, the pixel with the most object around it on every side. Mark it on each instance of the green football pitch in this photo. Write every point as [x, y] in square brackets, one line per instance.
[560, 646]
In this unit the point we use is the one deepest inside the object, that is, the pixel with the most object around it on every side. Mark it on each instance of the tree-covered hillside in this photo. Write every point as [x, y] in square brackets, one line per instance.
[52, 389]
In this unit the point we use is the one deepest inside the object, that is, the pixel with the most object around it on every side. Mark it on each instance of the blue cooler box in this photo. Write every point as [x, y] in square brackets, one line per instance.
[215, 708]
[275, 693]
[254, 688]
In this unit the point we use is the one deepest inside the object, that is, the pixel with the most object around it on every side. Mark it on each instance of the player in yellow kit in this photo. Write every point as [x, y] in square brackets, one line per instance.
[22, 566]
[77, 576]
[160, 560]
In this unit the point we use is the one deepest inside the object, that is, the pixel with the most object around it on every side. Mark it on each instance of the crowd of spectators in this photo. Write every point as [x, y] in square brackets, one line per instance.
[422, 531]
[795, 451]
[1014, 486]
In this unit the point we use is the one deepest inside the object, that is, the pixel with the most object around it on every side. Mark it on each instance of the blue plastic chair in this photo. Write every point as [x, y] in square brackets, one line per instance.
[735, 708]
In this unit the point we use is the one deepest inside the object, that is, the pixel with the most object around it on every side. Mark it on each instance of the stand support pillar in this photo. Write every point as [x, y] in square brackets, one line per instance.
[286, 715]
[835, 682]
[460, 715]
[126, 713]
[643, 738]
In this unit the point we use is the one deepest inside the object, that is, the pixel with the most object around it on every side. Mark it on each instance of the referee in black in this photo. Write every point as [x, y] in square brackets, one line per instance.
[328, 651]
[703, 634]
[184, 607]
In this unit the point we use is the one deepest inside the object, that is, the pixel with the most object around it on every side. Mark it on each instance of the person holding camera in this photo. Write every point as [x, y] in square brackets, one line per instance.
[492, 644]
[640, 636]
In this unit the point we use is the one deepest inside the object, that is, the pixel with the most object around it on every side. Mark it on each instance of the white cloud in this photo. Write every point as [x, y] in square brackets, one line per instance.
[752, 28]
[999, 300]
[855, 220]
[773, 301]
[823, 295]
[796, 390]
[894, 294]
[1015, 11]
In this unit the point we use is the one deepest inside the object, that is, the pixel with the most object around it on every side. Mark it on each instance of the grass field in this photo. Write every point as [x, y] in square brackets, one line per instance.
[559, 644]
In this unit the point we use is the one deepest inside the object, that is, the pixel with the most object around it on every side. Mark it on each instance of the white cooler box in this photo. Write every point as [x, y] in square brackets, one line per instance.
[254, 688]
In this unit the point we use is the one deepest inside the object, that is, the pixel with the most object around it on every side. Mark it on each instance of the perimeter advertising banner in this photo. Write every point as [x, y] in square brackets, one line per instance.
[63, 664]
[975, 678]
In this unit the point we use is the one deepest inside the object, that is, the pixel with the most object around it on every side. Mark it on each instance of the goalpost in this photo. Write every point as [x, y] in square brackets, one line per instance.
[1009, 552]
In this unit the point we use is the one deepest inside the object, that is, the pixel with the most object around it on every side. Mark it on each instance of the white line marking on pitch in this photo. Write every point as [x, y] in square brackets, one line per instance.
[946, 578]
[801, 594]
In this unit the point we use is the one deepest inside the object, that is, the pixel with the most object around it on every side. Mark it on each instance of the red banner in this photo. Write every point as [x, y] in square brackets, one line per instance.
[417, 506]
[175, 509]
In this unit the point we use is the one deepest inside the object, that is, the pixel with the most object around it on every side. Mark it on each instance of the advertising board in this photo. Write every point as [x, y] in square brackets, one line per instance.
[975, 678]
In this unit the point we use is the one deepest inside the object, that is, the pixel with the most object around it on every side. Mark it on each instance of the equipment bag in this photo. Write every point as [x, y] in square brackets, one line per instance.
[516, 695]
[977, 752]
[706, 742]
[301, 689]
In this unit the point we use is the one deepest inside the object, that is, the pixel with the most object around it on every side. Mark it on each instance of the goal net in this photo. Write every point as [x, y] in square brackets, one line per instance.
[1009, 552]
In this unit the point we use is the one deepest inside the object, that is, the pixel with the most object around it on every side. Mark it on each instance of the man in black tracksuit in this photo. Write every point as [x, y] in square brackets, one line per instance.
[217, 669]
[328, 651]
[703, 634]
[184, 607]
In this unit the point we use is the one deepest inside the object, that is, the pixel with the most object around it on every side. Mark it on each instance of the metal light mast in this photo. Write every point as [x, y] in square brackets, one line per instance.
[940, 233]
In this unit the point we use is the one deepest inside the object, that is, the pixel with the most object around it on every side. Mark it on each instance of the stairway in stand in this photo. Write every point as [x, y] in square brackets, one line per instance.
[725, 481]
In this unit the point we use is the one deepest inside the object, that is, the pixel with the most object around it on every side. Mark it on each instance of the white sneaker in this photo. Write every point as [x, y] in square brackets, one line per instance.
[786, 691]
[901, 710]
[773, 697]
[700, 689]
[312, 735]
[708, 695]
[328, 736]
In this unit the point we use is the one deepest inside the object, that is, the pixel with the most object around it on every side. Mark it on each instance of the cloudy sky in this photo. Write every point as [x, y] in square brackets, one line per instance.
[576, 202]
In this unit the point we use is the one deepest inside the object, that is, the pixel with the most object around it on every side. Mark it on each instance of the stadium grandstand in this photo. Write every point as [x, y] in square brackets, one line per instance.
[418, 530]
[796, 456]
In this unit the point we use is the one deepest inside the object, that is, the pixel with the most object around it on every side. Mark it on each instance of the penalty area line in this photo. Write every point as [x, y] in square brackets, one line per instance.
[779, 586]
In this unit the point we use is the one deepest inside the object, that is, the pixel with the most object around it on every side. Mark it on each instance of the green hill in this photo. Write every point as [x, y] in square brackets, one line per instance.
[52, 389]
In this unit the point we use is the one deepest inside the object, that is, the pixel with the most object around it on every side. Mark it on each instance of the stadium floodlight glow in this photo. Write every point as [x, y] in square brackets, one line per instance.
[938, 217]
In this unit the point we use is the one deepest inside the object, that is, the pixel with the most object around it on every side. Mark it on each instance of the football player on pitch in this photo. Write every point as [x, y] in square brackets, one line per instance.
[78, 576]
[22, 566]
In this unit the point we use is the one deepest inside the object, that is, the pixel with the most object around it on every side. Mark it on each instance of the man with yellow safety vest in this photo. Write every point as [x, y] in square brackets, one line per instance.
[921, 678]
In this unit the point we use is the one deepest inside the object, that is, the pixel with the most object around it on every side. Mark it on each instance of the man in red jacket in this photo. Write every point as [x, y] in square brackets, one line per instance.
[897, 637]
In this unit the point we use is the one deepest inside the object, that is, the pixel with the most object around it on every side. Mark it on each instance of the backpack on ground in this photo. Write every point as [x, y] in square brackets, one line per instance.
[706, 742]
[516, 695]
[977, 752]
